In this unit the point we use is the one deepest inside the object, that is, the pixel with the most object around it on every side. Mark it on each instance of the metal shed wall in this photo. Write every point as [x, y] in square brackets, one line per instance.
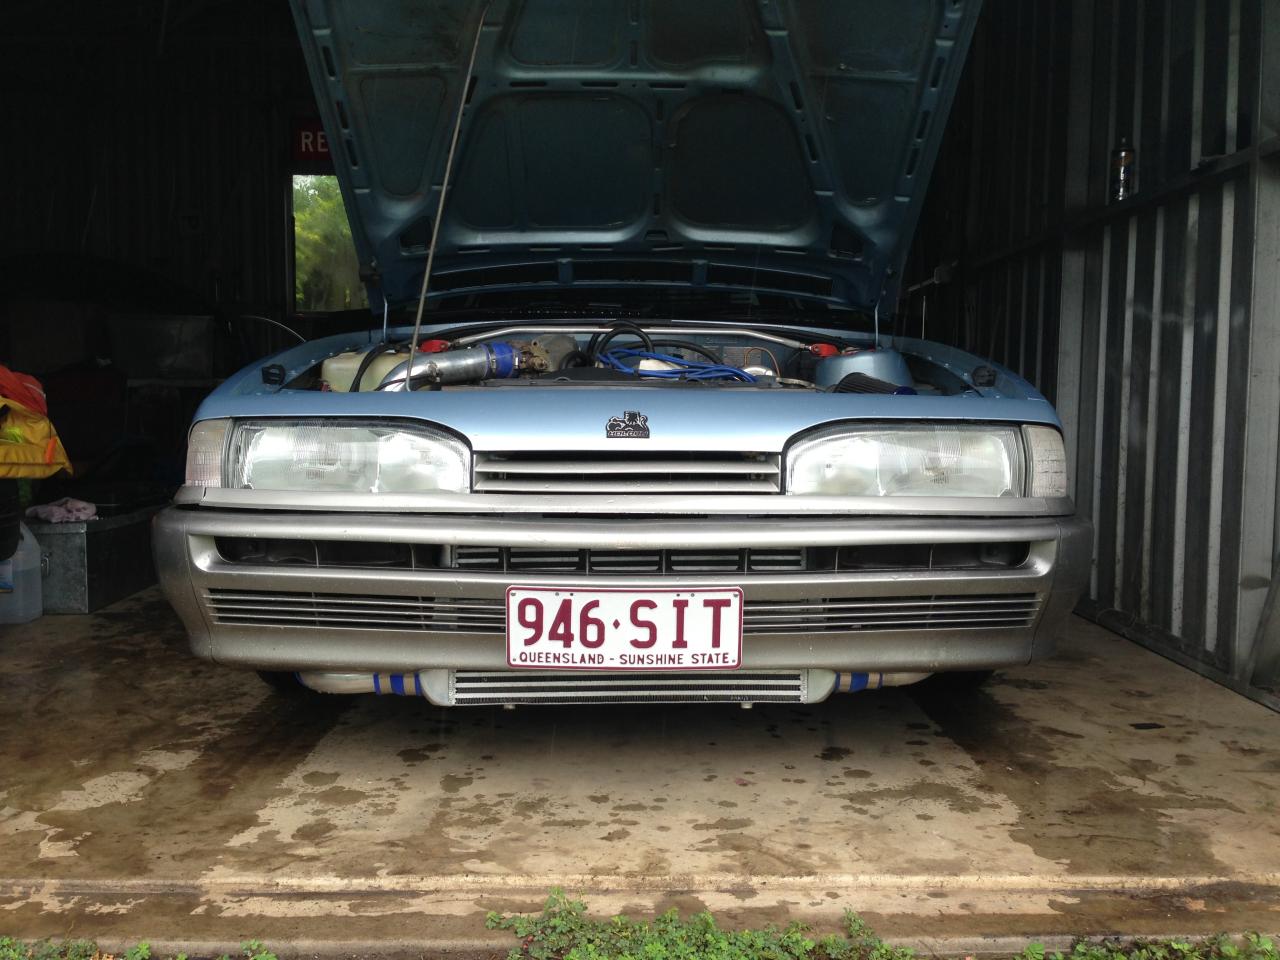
[154, 135]
[1153, 322]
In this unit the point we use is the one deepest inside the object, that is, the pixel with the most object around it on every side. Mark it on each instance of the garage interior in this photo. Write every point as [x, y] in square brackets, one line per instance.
[146, 252]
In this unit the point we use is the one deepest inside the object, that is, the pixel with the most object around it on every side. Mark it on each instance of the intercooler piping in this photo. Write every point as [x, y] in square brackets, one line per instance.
[853, 682]
[394, 684]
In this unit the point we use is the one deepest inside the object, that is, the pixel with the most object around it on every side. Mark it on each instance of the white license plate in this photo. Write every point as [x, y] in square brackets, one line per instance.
[621, 629]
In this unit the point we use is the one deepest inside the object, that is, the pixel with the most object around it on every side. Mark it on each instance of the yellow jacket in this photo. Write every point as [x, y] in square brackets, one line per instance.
[29, 446]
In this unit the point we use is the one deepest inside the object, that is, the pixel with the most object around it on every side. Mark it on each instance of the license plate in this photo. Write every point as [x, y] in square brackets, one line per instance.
[621, 629]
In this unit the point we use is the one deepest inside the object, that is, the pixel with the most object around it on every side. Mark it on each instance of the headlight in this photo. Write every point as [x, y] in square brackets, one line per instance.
[912, 460]
[331, 455]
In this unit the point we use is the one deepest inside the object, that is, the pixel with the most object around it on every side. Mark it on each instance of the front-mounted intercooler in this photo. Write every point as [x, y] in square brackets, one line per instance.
[515, 687]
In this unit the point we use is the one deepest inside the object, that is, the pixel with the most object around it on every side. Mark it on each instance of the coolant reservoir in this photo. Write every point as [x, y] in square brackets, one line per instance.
[339, 371]
[878, 362]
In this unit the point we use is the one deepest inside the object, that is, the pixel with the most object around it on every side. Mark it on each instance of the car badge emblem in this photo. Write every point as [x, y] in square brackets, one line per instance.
[632, 425]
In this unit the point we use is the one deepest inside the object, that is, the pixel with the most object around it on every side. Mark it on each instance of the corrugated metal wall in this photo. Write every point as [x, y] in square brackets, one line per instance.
[986, 261]
[1140, 319]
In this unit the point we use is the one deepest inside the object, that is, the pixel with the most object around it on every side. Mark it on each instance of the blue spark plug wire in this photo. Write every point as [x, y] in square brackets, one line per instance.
[688, 369]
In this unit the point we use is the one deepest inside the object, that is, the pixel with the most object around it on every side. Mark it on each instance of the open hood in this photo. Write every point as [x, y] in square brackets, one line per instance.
[769, 145]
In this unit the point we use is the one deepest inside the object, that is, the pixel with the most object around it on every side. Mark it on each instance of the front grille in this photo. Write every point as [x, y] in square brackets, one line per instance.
[592, 472]
[745, 686]
[990, 612]
[448, 614]
[270, 608]
[599, 561]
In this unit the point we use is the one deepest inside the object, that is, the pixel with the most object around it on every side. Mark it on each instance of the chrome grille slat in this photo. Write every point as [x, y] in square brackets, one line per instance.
[646, 686]
[483, 558]
[776, 560]
[277, 608]
[587, 472]
[706, 561]
[801, 626]
[329, 602]
[363, 623]
[482, 687]
[881, 621]
[880, 616]
[495, 464]
[888, 616]
[366, 613]
[692, 485]
[764, 608]
[588, 698]
[624, 561]
[607, 681]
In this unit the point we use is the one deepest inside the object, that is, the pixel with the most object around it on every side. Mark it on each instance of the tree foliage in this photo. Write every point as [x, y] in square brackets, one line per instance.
[326, 274]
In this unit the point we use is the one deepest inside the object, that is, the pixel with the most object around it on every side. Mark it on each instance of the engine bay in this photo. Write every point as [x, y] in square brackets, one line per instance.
[625, 353]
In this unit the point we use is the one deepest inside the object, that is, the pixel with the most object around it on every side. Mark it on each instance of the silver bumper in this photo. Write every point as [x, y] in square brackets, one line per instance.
[353, 619]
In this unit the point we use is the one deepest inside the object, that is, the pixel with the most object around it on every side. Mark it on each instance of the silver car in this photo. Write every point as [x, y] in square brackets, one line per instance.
[634, 418]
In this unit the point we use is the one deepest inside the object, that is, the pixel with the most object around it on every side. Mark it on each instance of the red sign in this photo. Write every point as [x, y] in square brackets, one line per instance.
[310, 144]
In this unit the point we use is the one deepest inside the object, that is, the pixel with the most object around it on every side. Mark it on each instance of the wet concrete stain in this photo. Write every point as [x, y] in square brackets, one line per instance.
[1145, 769]
[1240, 750]
[339, 796]
[416, 755]
[452, 784]
[240, 742]
[1021, 683]
[1055, 732]
[314, 831]
[834, 753]
[724, 823]
[1077, 814]
[953, 797]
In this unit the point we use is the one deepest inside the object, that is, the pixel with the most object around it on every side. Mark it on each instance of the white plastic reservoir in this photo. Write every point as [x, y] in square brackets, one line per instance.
[20, 590]
[339, 371]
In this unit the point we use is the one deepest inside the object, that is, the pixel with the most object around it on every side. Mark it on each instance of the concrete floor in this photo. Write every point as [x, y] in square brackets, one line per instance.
[143, 793]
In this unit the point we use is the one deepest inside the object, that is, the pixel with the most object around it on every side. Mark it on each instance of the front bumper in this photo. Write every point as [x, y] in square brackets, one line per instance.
[335, 618]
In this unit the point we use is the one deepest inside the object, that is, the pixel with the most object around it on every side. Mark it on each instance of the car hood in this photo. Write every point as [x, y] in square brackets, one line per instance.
[710, 144]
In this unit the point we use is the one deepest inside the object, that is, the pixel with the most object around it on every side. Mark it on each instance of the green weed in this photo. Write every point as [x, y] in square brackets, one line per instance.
[563, 931]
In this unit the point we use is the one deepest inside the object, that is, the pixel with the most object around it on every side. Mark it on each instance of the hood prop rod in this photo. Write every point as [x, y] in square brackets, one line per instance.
[444, 190]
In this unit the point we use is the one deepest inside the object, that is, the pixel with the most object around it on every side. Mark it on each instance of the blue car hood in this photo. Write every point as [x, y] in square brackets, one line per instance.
[708, 144]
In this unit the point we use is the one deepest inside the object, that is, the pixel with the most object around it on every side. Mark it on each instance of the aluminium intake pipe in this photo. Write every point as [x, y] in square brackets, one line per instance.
[469, 365]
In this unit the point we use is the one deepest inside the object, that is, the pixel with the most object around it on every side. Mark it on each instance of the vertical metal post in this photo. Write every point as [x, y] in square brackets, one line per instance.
[1076, 196]
[1258, 650]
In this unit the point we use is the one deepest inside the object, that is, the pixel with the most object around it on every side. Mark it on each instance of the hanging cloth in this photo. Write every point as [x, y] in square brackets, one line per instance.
[29, 445]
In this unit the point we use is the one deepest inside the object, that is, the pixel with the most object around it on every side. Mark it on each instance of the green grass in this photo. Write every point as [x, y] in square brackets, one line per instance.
[11, 949]
[563, 931]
